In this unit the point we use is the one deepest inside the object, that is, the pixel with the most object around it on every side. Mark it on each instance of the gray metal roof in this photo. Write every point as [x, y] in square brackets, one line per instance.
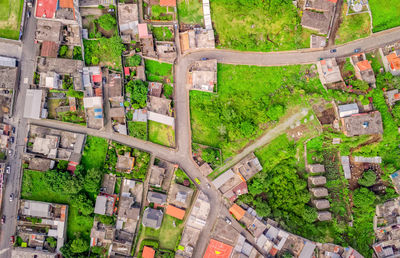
[8, 61]
[36, 209]
[152, 218]
[348, 109]
[222, 179]
[33, 102]
[155, 197]
[308, 250]
[100, 207]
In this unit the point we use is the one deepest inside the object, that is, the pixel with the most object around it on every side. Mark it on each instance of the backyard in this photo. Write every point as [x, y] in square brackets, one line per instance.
[104, 52]
[258, 25]
[138, 130]
[10, 18]
[158, 72]
[353, 26]
[250, 100]
[190, 12]
[385, 14]
[163, 33]
[161, 134]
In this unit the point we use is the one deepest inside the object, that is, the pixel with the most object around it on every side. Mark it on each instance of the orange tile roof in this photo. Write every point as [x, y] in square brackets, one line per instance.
[168, 2]
[175, 212]
[216, 249]
[323, 62]
[66, 4]
[273, 251]
[237, 211]
[397, 96]
[364, 65]
[394, 61]
[148, 252]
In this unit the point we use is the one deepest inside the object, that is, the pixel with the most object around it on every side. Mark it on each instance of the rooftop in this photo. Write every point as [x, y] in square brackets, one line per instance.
[218, 249]
[156, 175]
[157, 198]
[237, 211]
[175, 212]
[49, 49]
[125, 163]
[168, 3]
[152, 218]
[148, 252]
[248, 167]
[363, 124]
[159, 105]
[180, 196]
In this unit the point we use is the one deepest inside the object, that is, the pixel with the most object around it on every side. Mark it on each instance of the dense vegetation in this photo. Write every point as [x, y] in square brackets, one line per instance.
[258, 25]
[158, 72]
[132, 61]
[104, 52]
[385, 14]
[163, 33]
[137, 92]
[249, 100]
[137, 130]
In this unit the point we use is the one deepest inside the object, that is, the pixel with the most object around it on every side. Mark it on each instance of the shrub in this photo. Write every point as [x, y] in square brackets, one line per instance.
[168, 91]
[63, 51]
[133, 60]
[107, 22]
[77, 53]
[368, 179]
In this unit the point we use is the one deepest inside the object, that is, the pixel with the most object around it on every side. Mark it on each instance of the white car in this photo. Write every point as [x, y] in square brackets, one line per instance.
[8, 169]
[11, 197]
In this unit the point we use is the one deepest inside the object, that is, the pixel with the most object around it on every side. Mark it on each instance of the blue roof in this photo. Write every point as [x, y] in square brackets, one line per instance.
[98, 110]
[98, 116]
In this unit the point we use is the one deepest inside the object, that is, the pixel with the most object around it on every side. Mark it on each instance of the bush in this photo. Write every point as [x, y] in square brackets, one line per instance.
[133, 60]
[107, 22]
[368, 179]
[63, 51]
[138, 93]
[77, 53]
[168, 91]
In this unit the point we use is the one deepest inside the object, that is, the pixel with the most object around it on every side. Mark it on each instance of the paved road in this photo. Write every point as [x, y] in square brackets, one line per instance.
[181, 155]
[13, 180]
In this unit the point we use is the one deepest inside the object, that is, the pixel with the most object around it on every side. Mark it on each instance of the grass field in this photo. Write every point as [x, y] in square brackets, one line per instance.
[385, 14]
[10, 18]
[190, 12]
[161, 134]
[353, 27]
[246, 25]
[162, 33]
[138, 130]
[169, 234]
[158, 72]
[249, 100]
[94, 153]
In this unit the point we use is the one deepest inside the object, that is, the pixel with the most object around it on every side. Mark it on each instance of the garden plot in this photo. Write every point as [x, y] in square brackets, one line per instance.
[10, 18]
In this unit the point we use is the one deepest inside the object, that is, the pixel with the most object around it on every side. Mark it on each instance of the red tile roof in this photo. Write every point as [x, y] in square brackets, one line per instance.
[237, 211]
[273, 251]
[98, 92]
[175, 212]
[364, 65]
[397, 96]
[148, 252]
[240, 189]
[96, 78]
[46, 8]
[49, 49]
[168, 2]
[218, 249]
[127, 71]
[394, 61]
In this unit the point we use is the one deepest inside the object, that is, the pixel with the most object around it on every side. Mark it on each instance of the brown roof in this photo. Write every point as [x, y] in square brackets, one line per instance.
[168, 2]
[316, 21]
[363, 124]
[237, 211]
[364, 65]
[66, 4]
[49, 49]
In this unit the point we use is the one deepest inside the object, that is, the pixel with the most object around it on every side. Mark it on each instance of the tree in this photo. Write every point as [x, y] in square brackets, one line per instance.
[368, 179]
[138, 91]
[275, 112]
[62, 165]
[209, 155]
[92, 180]
[107, 22]
[63, 51]
[52, 241]
[309, 214]
[79, 245]
[133, 60]
[262, 208]
[83, 203]
[77, 53]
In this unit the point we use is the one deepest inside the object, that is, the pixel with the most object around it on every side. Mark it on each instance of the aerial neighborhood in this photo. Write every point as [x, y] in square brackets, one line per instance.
[200, 128]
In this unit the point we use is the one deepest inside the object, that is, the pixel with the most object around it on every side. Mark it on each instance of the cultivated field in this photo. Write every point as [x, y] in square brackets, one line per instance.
[385, 14]
[10, 18]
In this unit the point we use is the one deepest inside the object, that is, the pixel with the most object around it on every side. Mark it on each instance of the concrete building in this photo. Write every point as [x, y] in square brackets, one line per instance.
[248, 166]
[94, 112]
[152, 218]
[156, 198]
[104, 205]
[363, 124]
[392, 96]
[203, 75]
[348, 110]
[180, 196]
[329, 71]
[125, 163]
[319, 192]
[315, 168]
[128, 20]
[321, 204]
[156, 176]
[33, 104]
[317, 15]
[197, 38]
[316, 180]
[391, 60]
[363, 69]
[159, 105]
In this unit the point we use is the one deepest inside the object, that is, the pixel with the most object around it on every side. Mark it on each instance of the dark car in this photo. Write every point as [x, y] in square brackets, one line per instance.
[13, 129]
[333, 50]
[11, 197]
[28, 14]
[12, 139]
[204, 59]
[357, 50]
[3, 219]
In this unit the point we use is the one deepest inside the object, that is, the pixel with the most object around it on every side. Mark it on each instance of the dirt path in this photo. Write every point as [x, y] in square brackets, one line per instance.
[266, 138]
[336, 23]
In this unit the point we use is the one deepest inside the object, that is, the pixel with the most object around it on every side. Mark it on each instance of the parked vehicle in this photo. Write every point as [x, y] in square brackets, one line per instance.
[8, 169]
[3, 219]
[12, 240]
[11, 197]
[12, 139]
[333, 50]
[197, 180]
[227, 220]
[13, 129]
[204, 58]
[208, 186]
[10, 152]
[357, 50]
[28, 14]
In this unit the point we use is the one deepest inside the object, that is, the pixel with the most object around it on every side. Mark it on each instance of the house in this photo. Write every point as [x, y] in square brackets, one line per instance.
[180, 196]
[33, 104]
[159, 105]
[324, 215]
[237, 211]
[329, 71]
[348, 109]
[321, 204]
[50, 80]
[317, 15]
[53, 221]
[248, 166]
[315, 168]
[125, 163]
[396, 180]
[148, 252]
[49, 49]
[108, 184]
[156, 198]
[319, 192]
[362, 124]
[156, 176]
[104, 205]
[155, 89]
[308, 250]
[317, 180]
[114, 86]
[391, 60]
[171, 3]
[175, 212]
[94, 112]
[392, 96]
[345, 161]
[92, 79]
[101, 234]
[217, 247]
[363, 69]
[152, 218]
[197, 38]
[223, 178]
[66, 11]
[128, 20]
[48, 31]
[166, 51]
[203, 75]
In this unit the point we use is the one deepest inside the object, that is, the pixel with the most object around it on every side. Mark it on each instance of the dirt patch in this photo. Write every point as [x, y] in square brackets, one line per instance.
[327, 116]
[358, 169]
[297, 132]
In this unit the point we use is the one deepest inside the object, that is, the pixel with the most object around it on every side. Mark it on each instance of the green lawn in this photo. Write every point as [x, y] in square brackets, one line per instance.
[160, 13]
[161, 134]
[385, 14]
[158, 72]
[104, 52]
[138, 130]
[353, 27]
[163, 33]
[258, 25]
[94, 153]
[10, 18]
[249, 99]
[190, 12]
[170, 234]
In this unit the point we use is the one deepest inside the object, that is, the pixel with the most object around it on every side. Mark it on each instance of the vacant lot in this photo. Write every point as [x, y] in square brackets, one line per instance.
[250, 99]
[163, 33]
[385, 14]
[158, 72]
[258, 25]
[190, 11]
[10, 18]
[353, 27]
[138, 130]
[161, 134]
[94, 153]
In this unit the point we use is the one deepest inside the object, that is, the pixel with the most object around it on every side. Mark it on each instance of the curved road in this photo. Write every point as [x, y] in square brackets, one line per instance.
[182, 155]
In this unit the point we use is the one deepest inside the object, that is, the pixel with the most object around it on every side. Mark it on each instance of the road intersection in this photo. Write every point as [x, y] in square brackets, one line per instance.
[182, 155]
